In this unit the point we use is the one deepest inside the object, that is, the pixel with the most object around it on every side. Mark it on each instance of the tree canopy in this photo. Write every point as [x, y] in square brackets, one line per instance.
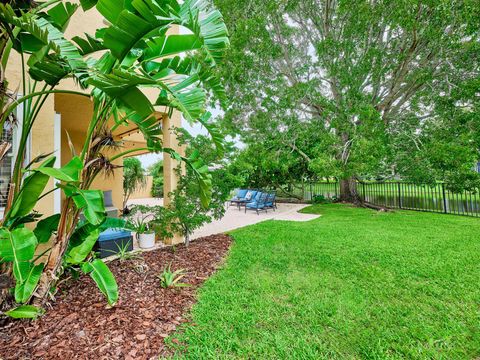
[356, 89]
[133, 177]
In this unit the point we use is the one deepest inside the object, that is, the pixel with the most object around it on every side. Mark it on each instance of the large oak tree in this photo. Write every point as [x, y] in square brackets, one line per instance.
[370, 81]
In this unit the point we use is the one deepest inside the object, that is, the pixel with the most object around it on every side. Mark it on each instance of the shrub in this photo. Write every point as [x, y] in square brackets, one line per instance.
[321, 199]
[157, 187]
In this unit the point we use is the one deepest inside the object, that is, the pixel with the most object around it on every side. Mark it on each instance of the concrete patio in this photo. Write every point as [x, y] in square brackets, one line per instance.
[235, 218]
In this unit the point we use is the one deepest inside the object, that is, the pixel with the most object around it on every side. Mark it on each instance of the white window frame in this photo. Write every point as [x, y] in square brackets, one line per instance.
[16, 134]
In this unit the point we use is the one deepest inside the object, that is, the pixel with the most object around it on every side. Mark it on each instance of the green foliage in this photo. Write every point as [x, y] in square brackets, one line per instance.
[157, 187]
[353, 283]
[320, 199]
[46, 227]
[33, 187]
[70, 172]
[170, 279]
[77, 254]
[141, 217]
[354, 89]
[124, 253]
[90, 201]
[18, 247]
[134, 40]
[25, 312]
[185, 214]
[133, 177]
[101, 274]
[25, 289]
[156, 171]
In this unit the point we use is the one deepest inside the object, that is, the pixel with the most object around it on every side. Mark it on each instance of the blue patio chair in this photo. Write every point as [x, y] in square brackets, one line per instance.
[240, 194]
[259, 203]
[251, 195]
[243, 196]
[271, 202]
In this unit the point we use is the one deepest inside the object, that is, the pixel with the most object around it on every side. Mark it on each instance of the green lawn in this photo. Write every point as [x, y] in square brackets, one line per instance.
[353, 284]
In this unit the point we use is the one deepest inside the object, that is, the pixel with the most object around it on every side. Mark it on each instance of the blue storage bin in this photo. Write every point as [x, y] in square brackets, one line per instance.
[111, 240]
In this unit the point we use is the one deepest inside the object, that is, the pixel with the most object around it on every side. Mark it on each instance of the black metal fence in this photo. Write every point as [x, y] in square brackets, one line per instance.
[403, 195]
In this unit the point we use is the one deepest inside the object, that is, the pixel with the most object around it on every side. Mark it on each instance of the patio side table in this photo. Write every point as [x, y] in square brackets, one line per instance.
[239, 203]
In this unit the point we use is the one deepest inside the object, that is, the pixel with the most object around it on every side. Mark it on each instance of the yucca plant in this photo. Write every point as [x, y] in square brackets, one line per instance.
[134, 47]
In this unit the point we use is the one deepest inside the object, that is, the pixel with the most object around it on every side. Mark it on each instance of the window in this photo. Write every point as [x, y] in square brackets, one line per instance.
[6, 164]
[11, 135]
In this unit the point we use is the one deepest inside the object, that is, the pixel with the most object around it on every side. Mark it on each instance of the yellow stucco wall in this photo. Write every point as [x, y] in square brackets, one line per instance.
[76, 113]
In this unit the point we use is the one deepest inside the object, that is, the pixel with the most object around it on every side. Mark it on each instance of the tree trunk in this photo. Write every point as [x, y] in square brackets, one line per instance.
[6, 284]
[67, 224]
[348, 191]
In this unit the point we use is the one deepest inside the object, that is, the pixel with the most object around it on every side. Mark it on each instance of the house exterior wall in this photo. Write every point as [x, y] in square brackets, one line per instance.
[76, 113]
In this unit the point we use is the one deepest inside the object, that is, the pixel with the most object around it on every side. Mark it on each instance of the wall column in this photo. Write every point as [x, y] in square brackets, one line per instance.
[170, 177]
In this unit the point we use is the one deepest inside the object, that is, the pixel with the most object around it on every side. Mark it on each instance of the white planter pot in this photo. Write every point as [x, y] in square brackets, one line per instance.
[146, 241]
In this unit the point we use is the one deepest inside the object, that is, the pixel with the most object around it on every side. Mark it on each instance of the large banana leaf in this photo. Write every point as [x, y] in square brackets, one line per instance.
[88, 45]
[25, 312]
[31, 189]
[123, 86]
[60, 14]
[70, 172]
[51, 38]
[79, 253]
[200, 171]
[133, 22]
[42, 35]
[57, 43]
[25, 289]
[104, 279]
[45, 228]
[51, 69]
[187, 66]
[90, 201]
[88, 4]
[204, 178]
[166, 67]
[18, 246]
[207, 25]
[169, 45]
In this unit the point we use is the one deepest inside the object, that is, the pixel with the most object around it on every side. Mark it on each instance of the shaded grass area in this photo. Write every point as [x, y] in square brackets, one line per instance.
[353, 284]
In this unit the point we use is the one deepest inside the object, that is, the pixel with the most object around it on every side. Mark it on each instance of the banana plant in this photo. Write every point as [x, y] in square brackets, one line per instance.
[134, 46]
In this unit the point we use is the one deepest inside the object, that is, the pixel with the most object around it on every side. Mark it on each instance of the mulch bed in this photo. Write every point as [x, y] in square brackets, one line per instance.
[79, 326]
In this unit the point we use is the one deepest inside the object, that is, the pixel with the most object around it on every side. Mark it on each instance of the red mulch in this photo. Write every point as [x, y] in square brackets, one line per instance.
[79, 326]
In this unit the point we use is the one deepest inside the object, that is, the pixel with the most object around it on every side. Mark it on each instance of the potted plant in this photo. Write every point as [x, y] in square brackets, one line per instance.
[141, 222]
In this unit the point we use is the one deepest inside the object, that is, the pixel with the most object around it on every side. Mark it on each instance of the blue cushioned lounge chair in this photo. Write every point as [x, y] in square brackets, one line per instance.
[240, 194]
[271, 202]
[258, 203]
[243, 196]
